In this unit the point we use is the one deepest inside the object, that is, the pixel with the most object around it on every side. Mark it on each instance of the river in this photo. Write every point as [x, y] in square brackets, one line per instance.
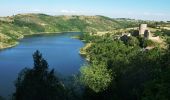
[60, 50]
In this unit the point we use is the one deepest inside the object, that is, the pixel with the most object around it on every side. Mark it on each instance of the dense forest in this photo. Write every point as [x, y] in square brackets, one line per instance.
[123, 70]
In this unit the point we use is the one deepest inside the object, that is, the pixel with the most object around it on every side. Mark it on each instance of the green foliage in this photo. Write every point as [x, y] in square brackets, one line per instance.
[140, 70]
[147, 43]
[158, 33]
[87, 38]
[166, 32]
[158, 87]
[114, 53]
[96, 76]
[19, 25]
[163, 32]
[138, 74]
[38, 83]
[31, 25]
[131, 41]
[143, 43]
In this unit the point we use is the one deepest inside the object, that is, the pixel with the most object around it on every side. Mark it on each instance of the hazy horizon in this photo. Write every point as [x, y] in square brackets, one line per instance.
[135, 9]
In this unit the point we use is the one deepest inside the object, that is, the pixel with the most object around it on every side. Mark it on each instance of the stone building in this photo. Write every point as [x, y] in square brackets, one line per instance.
[142, 29]
[144, 32]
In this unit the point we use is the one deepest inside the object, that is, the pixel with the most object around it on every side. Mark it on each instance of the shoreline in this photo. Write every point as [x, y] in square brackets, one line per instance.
[83, 52]
[47, 33]
[33, 34]
[9, 46]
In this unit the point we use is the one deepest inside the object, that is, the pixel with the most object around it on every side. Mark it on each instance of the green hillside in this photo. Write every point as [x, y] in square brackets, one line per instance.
[15, 27]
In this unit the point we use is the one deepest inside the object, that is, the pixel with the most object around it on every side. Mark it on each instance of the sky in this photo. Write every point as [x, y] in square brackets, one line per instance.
[136, 9]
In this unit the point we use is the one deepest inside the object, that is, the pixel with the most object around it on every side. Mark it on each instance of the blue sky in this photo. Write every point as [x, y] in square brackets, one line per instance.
[138, 9]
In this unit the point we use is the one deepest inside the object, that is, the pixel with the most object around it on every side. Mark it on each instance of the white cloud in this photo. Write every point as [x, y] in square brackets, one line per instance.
[68, 11]
[28, 11]
[153, 14]
[145, 15]
[36, 10]
[76, 12]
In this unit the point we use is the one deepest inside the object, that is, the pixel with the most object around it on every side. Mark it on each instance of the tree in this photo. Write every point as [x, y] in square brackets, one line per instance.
[133, 41]
[38, 83]
[147, 43]
[96, 76]
[158, 87]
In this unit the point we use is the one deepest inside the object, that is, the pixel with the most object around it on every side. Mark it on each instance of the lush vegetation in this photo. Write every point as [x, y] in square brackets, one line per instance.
[96, 76]
[136, 74]
[163, 32]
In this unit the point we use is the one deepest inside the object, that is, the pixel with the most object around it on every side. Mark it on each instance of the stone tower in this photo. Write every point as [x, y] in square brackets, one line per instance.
[142, 29]
[144, 32]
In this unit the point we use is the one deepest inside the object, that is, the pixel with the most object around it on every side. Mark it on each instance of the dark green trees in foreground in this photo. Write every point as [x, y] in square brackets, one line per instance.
[38, 83]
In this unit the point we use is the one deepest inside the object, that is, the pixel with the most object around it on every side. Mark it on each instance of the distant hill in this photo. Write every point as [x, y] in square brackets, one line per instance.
[15, 27]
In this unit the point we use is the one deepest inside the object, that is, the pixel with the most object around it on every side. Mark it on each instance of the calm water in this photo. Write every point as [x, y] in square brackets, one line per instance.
[60, 50]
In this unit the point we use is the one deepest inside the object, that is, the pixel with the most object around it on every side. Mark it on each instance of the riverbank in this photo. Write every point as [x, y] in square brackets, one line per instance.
[6, 46]
[83, 51]
[10, 45]
[48, 33]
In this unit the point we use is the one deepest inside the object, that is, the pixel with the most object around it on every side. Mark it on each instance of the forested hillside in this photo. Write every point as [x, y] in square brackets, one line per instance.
[119, 70]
